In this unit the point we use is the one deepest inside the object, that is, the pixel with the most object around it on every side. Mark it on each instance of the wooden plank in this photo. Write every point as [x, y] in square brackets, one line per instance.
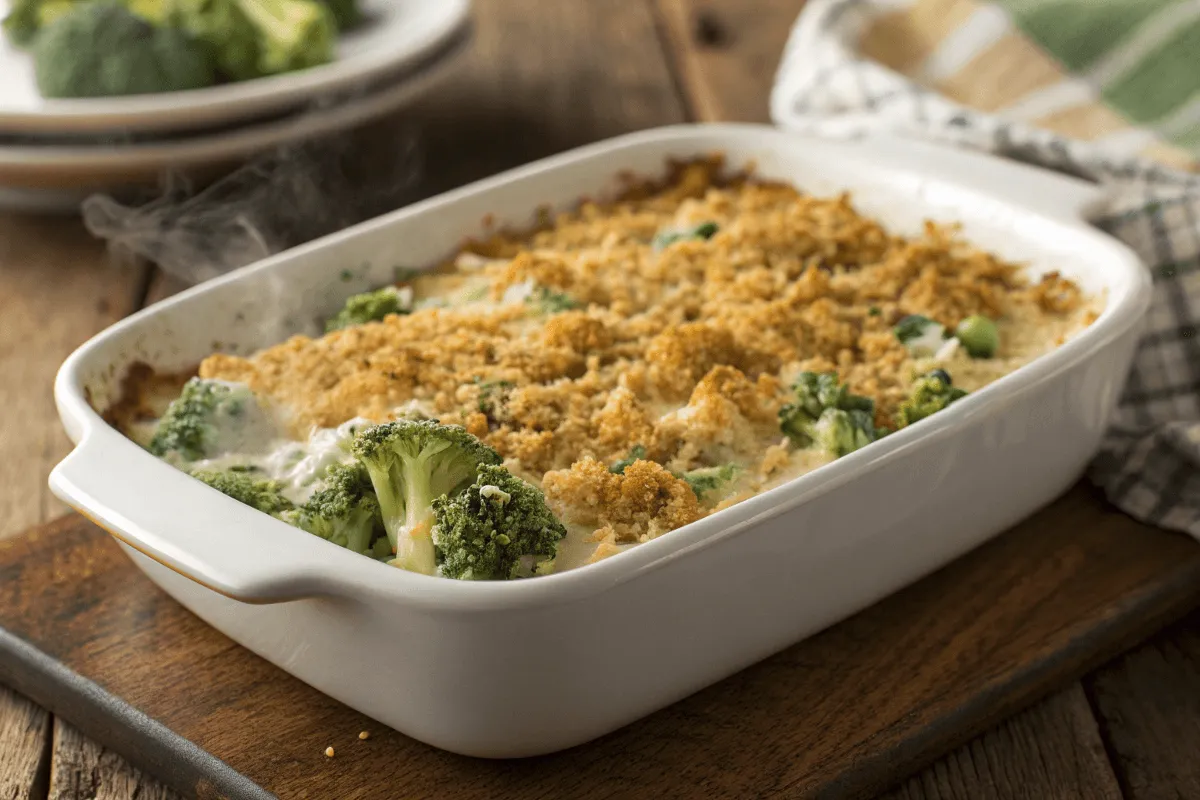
[845, 713]
[1050, 750]
[84, 770]
[24, 748]
[542, 78]
[56, 290]
[725, 53]
[1148, 701]
[123, 728]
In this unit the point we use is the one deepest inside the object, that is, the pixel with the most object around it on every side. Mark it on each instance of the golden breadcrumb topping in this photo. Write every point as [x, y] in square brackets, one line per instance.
[636, 506]
[588, 340]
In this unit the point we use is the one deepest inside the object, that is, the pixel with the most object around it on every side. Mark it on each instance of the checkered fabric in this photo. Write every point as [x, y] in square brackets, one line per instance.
[983, 76]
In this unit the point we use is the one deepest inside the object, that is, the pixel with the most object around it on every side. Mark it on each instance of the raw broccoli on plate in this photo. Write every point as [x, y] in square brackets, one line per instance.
[99, 48]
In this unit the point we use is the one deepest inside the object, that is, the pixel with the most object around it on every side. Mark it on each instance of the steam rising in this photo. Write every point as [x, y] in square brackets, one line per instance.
[279, 200]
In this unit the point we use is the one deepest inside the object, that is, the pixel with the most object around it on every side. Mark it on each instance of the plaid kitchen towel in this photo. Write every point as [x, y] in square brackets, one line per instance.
[1108, 90]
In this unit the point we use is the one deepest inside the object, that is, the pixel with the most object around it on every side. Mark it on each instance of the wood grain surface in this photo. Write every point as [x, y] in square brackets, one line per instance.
[1052, 750]
[844, 714]
[1149, 705]
[85, 769]
[58, 290]
[542, 78]
[24, 748]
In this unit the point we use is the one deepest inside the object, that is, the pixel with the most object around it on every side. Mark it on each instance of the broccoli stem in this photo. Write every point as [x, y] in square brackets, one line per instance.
[413, 541]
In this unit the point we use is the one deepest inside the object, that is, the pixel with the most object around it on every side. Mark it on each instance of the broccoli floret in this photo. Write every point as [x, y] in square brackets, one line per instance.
[251, 38]
[492, 396]
[826, 412]
[220, 25]
[345, 511]
[841, 432]
[921, 335]
[292, 34]
[246, 486]
[100, 49]
[664, 239]
[814, 393]
[929, 394]
[410, 464]
[346, 13]
[637, 453]
[708, 479]
[497, 529]
[26, 18]
[549, 301]
[371, 307]
[817, 391]
[205, 412]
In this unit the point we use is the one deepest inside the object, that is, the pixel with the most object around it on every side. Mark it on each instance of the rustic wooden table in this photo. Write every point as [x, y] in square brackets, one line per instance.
[543, 77]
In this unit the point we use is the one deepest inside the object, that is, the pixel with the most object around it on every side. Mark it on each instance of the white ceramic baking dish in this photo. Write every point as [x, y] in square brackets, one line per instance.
[528, 667]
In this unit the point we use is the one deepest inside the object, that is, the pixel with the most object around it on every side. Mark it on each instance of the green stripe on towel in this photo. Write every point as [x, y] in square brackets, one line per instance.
[1188, 138]
[1162, 82]
[1079, 32]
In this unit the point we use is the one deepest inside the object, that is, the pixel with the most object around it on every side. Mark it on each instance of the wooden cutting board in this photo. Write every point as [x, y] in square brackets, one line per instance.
[844, 714]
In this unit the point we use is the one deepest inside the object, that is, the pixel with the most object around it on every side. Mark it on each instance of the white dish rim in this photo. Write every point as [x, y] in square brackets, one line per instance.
[373, 579]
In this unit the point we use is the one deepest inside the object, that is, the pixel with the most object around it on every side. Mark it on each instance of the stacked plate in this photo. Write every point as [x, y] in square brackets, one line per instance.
[53, 153]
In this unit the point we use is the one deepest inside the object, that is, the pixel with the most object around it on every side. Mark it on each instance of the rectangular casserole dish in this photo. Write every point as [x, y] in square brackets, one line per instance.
[528, 667]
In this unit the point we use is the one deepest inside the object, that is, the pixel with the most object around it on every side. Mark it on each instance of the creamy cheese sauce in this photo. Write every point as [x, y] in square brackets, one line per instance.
[299, 466]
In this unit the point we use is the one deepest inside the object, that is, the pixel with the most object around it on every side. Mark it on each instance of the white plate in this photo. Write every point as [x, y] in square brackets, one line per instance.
[395, 35]
[518, 668]
[58, 178]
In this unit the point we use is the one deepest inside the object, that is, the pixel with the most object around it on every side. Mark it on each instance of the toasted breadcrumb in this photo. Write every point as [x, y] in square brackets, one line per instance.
[603, 550]
[644, 502]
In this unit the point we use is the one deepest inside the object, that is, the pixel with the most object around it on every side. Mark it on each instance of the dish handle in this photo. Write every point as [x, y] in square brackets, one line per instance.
[212, 540]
